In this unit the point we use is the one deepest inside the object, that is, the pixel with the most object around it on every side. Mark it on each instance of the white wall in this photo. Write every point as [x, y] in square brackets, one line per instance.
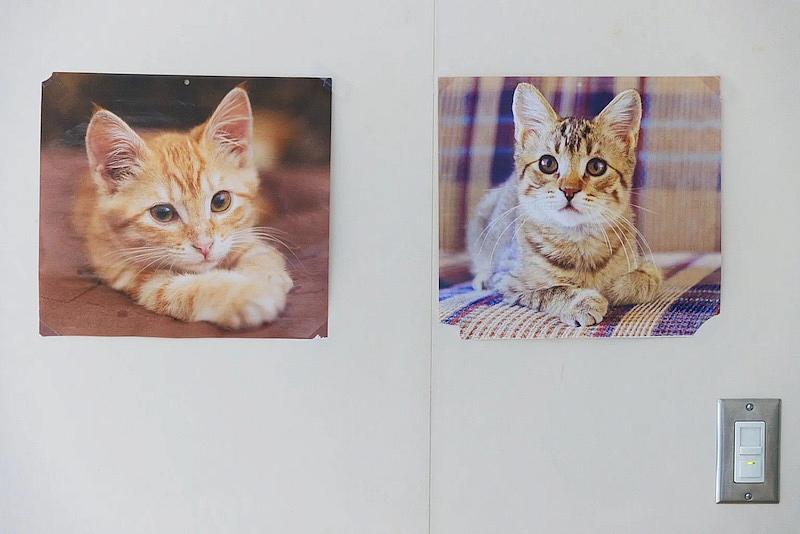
[619, 436]
[144, 435]
[147, 435]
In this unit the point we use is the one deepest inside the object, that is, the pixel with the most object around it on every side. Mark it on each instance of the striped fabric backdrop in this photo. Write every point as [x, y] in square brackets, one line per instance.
[677, 180]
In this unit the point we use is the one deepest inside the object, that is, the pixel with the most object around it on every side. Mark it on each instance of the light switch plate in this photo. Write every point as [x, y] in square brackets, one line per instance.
[729, 412]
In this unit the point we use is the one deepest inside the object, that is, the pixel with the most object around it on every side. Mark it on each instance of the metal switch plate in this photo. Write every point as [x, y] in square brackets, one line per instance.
[735, 416]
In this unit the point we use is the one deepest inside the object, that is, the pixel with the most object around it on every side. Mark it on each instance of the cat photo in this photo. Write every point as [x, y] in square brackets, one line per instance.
[555, 246]
[184, 226]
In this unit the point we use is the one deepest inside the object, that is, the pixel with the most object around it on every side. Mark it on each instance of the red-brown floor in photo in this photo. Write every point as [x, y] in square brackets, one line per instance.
[72, 301]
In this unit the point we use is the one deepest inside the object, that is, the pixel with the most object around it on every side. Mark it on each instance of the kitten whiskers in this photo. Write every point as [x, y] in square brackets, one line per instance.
[491, 224]
[500, 237]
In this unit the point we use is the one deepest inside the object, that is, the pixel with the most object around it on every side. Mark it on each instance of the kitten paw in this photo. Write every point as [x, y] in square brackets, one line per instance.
[262, 303]
[586, 308]
[512, 290]
[250, 303]
[481, 281]
[636, 287]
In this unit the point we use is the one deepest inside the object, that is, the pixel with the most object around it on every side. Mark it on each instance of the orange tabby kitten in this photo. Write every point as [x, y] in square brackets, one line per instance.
[558, 236]
[169, 219]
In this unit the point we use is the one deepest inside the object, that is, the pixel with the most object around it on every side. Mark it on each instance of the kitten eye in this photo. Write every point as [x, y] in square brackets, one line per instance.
[163, 212]
[220, 201]
[548, 164]
[596, 167]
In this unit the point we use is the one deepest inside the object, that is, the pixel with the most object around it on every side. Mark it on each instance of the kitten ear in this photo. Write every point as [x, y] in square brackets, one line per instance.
[114, 150]
[532, 111]
[230, 127]
[622, 117]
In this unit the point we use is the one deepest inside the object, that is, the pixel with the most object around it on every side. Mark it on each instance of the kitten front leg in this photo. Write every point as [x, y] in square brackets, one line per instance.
[481, 267]
[251, 293]
[482, 239]
[636, 286]
[575, 306]
[263, 295]
[263, 262]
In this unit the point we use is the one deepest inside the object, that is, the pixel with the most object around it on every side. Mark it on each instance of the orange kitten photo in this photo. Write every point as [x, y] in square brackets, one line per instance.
[184, 206]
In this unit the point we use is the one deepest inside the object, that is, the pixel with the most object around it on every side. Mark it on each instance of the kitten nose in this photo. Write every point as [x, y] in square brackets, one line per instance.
[204, 248]
[570, 192]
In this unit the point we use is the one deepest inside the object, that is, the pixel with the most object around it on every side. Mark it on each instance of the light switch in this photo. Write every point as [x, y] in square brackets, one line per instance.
[748, 450]
[749, 447]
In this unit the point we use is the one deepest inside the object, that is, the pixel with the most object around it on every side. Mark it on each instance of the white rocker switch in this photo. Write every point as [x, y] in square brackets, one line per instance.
[748, 453]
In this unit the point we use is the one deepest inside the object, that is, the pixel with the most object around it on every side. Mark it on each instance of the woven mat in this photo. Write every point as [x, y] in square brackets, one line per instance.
[689, 297]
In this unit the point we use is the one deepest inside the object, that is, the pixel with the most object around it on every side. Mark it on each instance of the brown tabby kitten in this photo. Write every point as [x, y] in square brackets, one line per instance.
[169, 219]
[558, 236]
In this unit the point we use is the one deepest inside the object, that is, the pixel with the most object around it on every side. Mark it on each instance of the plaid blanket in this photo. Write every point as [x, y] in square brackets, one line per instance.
[689, 297]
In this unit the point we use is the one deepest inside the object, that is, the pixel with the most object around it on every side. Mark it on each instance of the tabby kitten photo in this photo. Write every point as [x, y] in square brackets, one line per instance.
[558, 236]
[170, 218]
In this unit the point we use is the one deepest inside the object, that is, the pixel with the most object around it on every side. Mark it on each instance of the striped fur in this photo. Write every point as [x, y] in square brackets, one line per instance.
[564, 241]
[203, 265]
